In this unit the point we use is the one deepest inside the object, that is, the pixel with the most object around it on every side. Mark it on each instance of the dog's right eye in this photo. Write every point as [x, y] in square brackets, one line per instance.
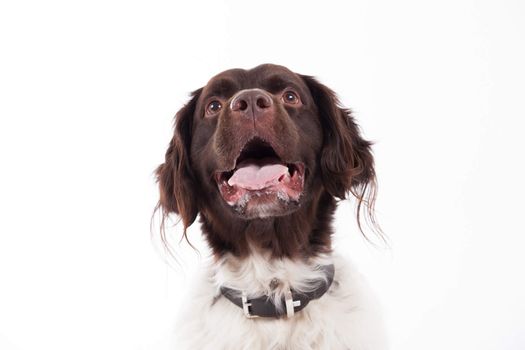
[213, 107]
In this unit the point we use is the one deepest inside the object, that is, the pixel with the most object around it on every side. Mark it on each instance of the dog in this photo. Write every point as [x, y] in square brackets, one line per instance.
[262, 156]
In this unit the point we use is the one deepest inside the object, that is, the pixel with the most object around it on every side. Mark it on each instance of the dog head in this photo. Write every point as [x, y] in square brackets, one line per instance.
[261, 151]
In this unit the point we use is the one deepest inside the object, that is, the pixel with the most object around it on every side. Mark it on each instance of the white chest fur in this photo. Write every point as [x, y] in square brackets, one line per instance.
[346, 317]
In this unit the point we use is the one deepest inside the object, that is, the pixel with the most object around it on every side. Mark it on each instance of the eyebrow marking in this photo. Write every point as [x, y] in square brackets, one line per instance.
[221, 87]
[276, 83]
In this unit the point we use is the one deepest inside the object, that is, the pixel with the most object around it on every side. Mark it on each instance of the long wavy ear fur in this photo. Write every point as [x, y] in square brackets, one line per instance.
[175, 177]
[347, 164]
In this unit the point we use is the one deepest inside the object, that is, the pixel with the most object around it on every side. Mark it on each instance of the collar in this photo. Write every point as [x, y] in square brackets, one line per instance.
[293, 300]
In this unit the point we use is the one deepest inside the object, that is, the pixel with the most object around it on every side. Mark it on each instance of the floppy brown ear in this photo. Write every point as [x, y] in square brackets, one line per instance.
[174, 176]
[347, 164]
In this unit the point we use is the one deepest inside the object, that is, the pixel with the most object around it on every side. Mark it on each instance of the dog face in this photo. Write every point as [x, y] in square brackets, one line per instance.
[249, 130]
[261, 147]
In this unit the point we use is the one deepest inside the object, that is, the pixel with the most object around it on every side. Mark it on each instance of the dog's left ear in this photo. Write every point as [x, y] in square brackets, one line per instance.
[347, 164]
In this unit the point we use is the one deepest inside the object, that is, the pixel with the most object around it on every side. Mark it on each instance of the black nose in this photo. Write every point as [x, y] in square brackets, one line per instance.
[251, 102]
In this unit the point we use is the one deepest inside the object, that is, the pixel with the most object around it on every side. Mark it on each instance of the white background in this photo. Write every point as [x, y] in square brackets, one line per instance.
[87, 95]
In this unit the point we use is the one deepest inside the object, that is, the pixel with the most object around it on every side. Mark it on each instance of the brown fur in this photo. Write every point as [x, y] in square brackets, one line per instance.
[319, 133]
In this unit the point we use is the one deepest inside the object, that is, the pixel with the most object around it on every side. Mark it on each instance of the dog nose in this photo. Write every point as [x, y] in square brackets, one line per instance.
[251, 102]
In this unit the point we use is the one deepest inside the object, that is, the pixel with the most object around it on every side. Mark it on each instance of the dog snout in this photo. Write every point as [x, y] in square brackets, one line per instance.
[251, 103]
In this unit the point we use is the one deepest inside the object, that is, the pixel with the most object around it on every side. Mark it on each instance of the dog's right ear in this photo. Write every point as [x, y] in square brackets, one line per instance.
[175, 176]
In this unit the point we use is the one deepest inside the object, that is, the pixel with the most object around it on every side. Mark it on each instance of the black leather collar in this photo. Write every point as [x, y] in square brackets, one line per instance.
[293, 301]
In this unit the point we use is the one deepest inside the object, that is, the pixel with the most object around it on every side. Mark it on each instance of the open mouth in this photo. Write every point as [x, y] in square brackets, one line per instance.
[260, 176]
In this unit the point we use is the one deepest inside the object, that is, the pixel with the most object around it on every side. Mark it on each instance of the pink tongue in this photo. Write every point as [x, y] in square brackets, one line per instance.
[255, 177]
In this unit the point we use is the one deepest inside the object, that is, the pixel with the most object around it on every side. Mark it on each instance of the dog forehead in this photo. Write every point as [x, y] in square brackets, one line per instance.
[249, 78]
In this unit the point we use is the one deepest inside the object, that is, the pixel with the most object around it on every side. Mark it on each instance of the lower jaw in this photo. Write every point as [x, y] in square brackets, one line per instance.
[273, 210]
[261, 204]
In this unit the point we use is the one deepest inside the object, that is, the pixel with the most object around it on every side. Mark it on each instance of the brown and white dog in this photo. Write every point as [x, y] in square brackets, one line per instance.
[262, 155]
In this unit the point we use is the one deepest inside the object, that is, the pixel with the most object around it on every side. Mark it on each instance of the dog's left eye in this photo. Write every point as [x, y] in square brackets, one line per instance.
[290, 97]
[213, 107]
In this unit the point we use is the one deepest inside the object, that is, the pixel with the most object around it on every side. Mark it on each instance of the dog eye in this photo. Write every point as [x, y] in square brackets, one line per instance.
[213, 107]
[290, 97]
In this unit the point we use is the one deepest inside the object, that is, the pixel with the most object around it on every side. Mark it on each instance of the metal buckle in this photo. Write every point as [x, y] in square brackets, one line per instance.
[246, 306]
[290, 303]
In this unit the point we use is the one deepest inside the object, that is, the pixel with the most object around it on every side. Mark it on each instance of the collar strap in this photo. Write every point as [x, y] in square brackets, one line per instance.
[294, 301]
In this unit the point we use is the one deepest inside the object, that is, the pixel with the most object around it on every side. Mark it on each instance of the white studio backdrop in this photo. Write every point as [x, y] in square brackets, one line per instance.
[88, 91]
